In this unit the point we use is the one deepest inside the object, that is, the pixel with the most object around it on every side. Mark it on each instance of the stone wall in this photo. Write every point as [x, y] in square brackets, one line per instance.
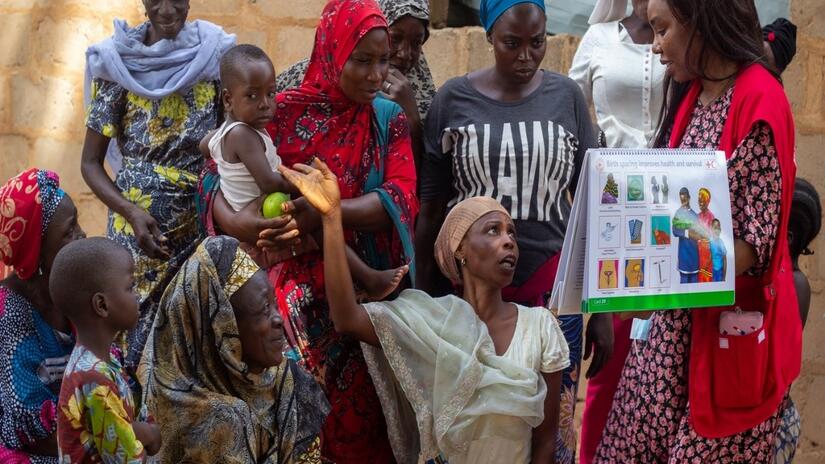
[41, 114]
[805, 84]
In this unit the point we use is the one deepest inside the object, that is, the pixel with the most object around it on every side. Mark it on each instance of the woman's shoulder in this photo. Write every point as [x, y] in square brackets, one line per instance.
[601, 33]
[458, 84]
[757, 82]
[101, 87]
[560, 83]
[759, 95]
[540, 319]
[15, 314]
[535, 312]
[543, 327]
[293, 76]
[412, 297]
[12, 301]
[413, 294]
[385, 108]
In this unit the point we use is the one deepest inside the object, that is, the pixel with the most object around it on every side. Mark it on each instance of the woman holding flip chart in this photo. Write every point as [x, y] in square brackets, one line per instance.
[698, 390]
[619, 74]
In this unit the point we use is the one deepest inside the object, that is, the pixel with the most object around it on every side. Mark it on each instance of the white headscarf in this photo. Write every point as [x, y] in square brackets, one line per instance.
[606, 11]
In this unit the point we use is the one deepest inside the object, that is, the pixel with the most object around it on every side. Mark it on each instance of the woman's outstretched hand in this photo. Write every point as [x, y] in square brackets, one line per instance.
[317, 184]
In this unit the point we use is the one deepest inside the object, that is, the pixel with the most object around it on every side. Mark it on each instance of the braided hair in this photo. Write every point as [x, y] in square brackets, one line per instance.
[806, 218]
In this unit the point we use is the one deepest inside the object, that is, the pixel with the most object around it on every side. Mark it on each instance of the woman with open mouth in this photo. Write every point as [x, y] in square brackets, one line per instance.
[518, 134]
[481, 374]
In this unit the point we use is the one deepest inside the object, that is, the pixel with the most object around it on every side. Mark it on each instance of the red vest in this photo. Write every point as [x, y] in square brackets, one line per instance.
[735, 383]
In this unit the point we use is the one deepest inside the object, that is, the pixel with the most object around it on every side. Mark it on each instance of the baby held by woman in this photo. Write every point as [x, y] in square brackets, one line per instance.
[247, 160]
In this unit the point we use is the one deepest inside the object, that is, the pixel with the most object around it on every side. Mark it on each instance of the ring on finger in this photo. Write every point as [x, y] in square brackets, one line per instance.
[387, 86]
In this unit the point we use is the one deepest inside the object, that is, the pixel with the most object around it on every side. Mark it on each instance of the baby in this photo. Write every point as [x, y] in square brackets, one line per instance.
[247, 160]
[92, 283]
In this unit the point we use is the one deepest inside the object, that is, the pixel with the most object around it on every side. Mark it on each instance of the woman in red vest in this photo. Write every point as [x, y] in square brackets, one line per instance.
[691, 393]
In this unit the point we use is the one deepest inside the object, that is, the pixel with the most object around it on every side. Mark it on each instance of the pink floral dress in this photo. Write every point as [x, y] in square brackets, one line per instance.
[649, 422]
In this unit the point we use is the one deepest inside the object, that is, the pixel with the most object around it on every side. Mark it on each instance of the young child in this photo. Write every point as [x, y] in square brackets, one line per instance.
[92, 283]
[803, 227]
[718, 252]
[247, 160]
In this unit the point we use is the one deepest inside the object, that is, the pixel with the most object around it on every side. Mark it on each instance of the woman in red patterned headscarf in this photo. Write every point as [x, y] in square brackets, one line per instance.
[335, 116]
[36, 220]
[338, 116]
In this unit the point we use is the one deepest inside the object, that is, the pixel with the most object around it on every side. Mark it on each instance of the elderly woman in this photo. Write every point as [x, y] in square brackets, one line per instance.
[409, 81]
[679, 400]
[216, 379]
[36, 220]
[482, 375]
[518, 134]
[154, 94]
[335, 116]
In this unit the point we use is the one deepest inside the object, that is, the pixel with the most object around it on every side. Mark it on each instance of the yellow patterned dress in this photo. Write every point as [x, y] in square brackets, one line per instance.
[95, 412]
[161, 162]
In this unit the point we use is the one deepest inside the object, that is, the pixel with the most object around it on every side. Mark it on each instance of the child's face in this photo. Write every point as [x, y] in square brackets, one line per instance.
[717, 229]
[260, 326]
[122, 299]
[251, 98]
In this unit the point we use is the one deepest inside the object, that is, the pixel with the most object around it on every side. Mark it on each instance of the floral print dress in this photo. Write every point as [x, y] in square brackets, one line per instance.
[161, 163]
[95, 412]
[650, 419]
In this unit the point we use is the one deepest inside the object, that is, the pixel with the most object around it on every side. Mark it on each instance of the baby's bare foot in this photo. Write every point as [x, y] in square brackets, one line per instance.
[382, 283]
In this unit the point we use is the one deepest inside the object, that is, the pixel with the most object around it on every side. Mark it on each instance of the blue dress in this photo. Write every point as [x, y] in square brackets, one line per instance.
[32, 359]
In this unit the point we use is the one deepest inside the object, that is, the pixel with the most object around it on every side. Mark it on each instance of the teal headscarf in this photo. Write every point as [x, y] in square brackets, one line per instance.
[491, 10]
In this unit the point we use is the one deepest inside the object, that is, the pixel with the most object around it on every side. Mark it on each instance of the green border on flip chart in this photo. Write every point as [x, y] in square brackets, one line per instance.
[656, 302]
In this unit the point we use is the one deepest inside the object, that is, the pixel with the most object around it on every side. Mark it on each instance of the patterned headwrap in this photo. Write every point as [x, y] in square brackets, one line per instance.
[704, 193]
[491, 10]
[27, 204]
[197, 386]
[397, 9]
[455, 227]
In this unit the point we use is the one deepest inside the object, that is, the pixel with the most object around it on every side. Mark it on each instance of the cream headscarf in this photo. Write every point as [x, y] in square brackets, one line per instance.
[455, 227]
[606, 11]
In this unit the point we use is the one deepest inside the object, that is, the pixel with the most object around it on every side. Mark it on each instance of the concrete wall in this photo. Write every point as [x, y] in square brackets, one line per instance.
[41, 114]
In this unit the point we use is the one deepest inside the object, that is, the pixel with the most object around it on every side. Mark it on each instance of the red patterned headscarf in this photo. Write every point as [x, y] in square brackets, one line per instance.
[27, 204]
[317, 119]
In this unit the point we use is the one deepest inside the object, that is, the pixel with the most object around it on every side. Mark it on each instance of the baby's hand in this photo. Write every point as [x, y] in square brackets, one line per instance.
[149, 435]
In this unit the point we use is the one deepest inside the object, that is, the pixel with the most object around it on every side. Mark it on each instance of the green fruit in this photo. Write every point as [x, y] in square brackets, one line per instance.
[273, 203]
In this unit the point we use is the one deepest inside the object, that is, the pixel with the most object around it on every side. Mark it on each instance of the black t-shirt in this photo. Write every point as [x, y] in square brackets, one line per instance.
[525, 154]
